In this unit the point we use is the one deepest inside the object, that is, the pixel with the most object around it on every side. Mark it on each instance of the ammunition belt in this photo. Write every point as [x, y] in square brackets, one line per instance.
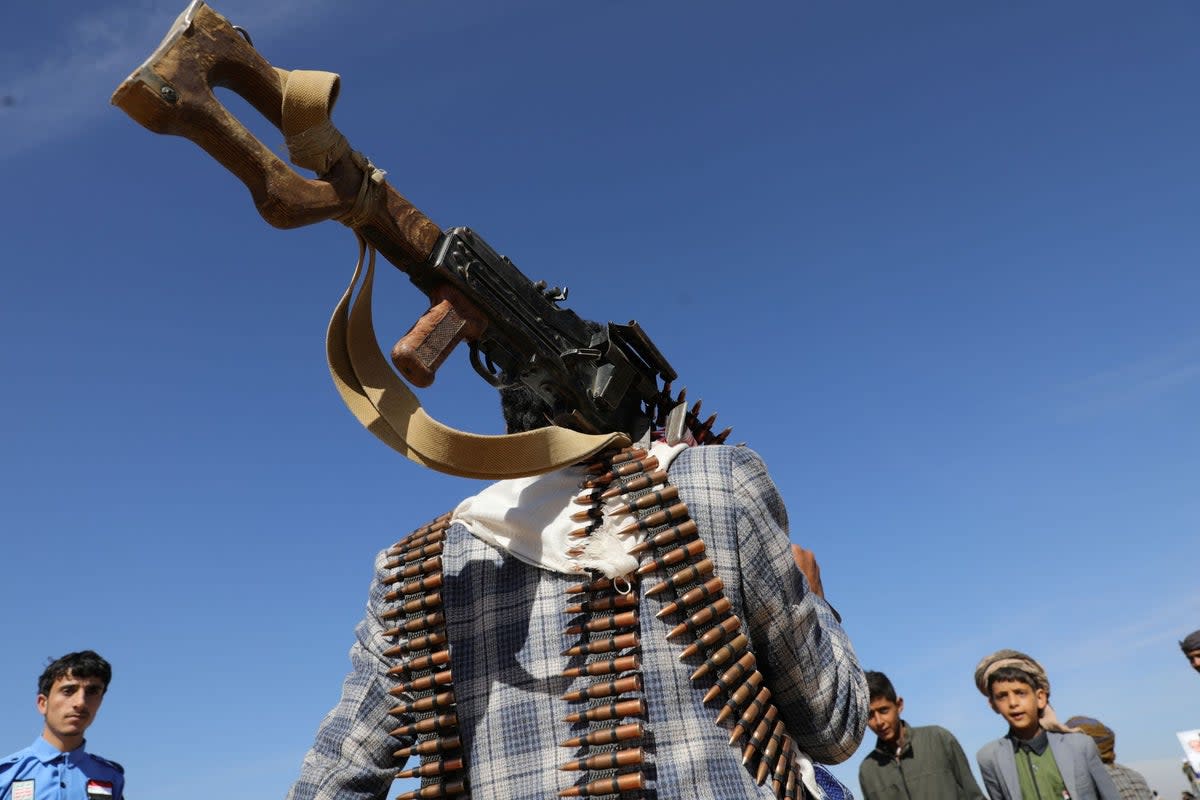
[423, 668]
[609, 753]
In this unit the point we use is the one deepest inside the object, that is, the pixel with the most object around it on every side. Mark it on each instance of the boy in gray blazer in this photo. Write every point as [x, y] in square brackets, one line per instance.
[1039, 758]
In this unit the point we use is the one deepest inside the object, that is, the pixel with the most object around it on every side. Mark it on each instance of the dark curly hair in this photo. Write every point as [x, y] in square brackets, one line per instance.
[84, 664]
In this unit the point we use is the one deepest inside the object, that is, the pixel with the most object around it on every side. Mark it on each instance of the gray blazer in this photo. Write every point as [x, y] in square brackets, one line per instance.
[1078, 761]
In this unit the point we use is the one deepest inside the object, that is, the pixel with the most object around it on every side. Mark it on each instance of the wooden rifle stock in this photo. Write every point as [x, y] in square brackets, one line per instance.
[172, 93]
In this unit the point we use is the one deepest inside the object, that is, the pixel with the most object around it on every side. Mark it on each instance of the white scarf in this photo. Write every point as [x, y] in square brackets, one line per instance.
[531, 519]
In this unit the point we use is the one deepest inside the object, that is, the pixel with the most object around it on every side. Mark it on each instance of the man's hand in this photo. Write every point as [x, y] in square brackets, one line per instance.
[807, 563]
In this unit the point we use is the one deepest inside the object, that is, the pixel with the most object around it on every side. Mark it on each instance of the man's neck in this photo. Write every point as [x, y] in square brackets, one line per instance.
[64, 744]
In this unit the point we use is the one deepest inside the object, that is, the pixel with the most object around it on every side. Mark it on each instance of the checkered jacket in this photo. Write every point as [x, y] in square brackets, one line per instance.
[1130, 783]
[505, 624]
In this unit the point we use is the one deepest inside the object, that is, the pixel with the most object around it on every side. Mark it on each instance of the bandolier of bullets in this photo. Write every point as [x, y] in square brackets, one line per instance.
[672, 552]
[609, 726]
[422, 670]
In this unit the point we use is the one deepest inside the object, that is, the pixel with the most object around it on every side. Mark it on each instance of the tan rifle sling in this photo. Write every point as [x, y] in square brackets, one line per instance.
[372, 391]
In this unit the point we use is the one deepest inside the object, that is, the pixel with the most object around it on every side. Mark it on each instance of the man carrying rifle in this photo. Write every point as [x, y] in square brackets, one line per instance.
[623, 613]
[502, 596]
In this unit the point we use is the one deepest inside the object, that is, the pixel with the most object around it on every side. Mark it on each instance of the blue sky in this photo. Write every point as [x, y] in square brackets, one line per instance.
[935, 262]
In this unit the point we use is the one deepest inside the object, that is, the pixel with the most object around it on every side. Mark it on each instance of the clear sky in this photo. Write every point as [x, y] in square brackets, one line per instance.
[936, 262]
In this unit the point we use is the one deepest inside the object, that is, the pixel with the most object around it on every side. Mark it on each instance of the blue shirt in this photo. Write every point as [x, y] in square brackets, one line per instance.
[43, 772]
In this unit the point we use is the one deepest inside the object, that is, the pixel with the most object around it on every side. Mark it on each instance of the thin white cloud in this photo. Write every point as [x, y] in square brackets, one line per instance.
[61, 82]
[1137, 382]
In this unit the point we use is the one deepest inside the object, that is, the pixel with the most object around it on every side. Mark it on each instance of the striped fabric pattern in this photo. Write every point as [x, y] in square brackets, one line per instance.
[505, 623]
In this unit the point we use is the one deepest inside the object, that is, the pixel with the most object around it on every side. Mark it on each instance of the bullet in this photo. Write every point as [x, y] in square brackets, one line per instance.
[712, 636]
[422, 585]
[615, 785]
[419, 539]
[770, 753]
[427, 725]
[438, 658]
[611, 760]
[436, 639]
[608, 644]
[692, 596]
[629, 454]
[626, 619]
[722, 436]
[733, 677]
[760, 735]
[432, 768]
[613, 601]
[429, 703]
[422, 684]
[682, 577]
[636, 484]
[672, 557]
[609, 666]
[431, 549]
[750, 717]
[630, 683]
[720, 656]
[595, 585]
[789, 785]
[683, 530]
[621, 471]
[591, 512]
[659, 497]
[784, 761]
[701, 618]
[621, 733]
[435, 790]
[670, 515]
[412, 570]
[615, 710]
[430, 747]
[435, 620]
[413, 605]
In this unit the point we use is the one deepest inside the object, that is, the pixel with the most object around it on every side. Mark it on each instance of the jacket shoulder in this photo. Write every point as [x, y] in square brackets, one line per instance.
[108, 762]
[989, 752]
[11, 761]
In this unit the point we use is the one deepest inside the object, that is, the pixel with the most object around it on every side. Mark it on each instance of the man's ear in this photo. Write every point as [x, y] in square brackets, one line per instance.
[41, 704]
[1042, 699]
[899, 704]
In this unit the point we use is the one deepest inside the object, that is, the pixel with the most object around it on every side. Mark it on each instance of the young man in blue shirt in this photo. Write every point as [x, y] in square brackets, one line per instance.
[56, 766]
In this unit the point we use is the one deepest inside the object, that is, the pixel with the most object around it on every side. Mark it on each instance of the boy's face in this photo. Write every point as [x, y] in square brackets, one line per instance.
[71, 705]
[1020, 705]
[884, 718]
[1193, 656]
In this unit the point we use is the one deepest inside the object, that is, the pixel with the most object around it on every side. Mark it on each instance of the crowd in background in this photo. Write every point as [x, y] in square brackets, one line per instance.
[1038, 758]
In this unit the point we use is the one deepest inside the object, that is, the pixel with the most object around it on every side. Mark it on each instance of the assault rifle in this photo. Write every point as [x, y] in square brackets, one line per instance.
[600, 382]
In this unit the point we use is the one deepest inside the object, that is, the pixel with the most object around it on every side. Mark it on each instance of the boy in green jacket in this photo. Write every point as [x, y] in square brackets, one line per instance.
[925, 763]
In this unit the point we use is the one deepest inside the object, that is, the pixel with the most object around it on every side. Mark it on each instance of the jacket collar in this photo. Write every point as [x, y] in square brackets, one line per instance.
[887, 752]
[47, 752]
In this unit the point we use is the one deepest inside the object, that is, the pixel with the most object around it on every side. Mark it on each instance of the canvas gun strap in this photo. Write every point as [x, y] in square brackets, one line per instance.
[385, 405]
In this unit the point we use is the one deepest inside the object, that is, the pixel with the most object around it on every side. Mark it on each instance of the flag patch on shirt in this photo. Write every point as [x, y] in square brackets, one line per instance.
[98, 789]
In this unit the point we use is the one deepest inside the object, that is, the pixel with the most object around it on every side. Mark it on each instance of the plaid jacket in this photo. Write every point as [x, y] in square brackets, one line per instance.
[1130, 782]
[505, 623]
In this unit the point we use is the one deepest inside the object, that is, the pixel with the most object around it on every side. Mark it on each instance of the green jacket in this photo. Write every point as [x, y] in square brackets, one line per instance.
[931, 766]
